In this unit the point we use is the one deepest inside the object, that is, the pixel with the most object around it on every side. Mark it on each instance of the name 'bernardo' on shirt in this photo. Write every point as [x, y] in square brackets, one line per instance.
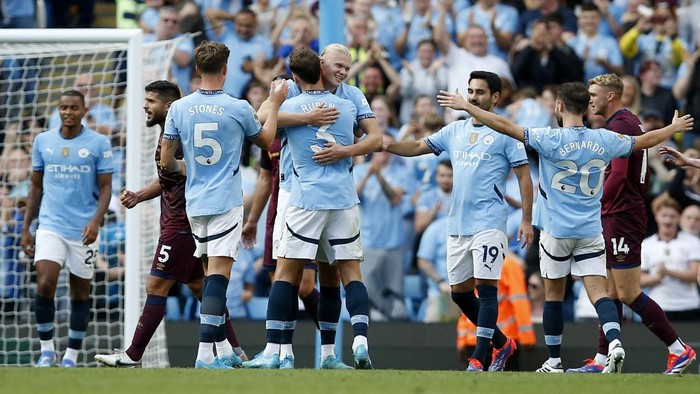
[578, 145]
[206, 108]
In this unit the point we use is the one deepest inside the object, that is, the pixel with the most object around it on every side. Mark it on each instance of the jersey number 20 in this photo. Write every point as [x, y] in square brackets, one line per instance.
[572, 169]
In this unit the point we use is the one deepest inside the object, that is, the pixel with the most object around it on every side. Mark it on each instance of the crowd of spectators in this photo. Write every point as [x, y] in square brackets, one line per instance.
[404, 52]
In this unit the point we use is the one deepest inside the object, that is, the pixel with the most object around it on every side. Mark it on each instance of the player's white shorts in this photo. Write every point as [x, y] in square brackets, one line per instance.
[478, 256]
[278, 229]
[580, 257]
[336, 231]
[79, 258]
[218, 235]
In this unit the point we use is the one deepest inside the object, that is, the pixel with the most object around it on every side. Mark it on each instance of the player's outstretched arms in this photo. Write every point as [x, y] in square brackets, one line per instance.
[318, 116]
[278, 93]
[131, 199]
[496, 122]
[679, 159]
[653, 138]
[372, 142]
[408, 148]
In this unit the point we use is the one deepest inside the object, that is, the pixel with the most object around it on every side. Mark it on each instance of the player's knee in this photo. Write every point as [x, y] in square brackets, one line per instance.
[464, 287]
[45, 288]
[79, 294]
[328, 276]
[349, 271]
[158, 286]
[627, 296]
[196, 288]
[305, 289]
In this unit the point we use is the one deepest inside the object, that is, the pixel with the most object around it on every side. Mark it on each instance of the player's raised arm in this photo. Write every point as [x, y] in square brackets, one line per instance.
[679, 159]
[655, 137]
[278, 93]
[490, 119]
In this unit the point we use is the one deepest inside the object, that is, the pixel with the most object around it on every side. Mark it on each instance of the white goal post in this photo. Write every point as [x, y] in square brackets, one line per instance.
[39, 64]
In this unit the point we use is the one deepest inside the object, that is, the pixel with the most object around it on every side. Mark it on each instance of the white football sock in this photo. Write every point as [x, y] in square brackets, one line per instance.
[271, 349]
[205, 352]
[359, 340]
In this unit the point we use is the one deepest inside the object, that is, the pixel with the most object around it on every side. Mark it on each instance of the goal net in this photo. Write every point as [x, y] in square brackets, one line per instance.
[36, 66]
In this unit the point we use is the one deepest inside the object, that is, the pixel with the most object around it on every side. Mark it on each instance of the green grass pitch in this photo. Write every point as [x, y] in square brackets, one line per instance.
[308, 381]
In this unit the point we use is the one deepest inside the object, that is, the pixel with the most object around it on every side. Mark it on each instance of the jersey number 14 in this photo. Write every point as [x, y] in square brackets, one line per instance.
[619, 246]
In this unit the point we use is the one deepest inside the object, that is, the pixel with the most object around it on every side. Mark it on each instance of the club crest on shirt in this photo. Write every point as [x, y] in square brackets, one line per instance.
[83, 153]
[488, 140]
[65, 151]
[473, 137]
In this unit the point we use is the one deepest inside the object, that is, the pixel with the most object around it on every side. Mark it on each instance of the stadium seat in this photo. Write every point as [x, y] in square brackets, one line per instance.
[257, 308]
[414, 289]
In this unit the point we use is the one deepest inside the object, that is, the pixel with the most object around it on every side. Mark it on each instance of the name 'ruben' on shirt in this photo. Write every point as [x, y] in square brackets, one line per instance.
[578, 145]
[311, 105]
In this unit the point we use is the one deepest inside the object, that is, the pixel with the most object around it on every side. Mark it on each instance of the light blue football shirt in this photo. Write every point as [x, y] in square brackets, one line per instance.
[317, 186]
[430, 196]
[572, 166]
[343, 91]
[481, 160]
[285, 165]
[381, 223]
[600, 46]
[433, 248]
[211, 126]
[70, 184]
[505, 20]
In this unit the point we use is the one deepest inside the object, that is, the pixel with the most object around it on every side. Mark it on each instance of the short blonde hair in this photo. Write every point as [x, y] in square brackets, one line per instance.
[336, 48]
[609, 81]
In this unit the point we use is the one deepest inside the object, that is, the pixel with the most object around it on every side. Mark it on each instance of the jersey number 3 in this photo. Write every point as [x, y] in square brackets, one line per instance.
[324, 135]
[201, 142]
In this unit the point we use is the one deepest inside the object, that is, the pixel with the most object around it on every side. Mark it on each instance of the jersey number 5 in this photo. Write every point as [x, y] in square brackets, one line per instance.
[572, 169]
[201, 142]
